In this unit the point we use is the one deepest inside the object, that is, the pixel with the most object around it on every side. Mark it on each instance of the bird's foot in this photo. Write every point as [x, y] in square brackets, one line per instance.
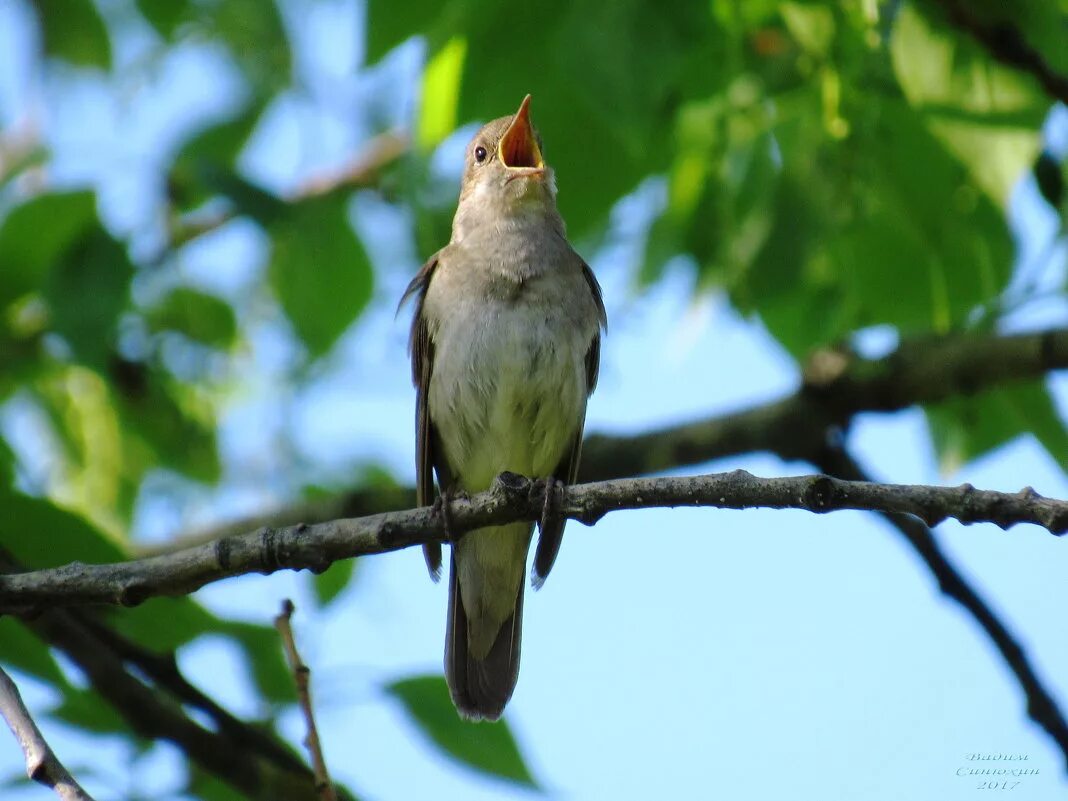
[441, 507]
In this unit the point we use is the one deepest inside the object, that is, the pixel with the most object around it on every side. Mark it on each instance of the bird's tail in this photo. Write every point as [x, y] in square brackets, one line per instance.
[481, 687]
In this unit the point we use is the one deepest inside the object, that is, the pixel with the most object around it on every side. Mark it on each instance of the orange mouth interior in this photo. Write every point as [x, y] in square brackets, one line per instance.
[519, 147]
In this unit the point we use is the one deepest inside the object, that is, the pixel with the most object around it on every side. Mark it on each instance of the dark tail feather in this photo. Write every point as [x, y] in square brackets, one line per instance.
[481, 688]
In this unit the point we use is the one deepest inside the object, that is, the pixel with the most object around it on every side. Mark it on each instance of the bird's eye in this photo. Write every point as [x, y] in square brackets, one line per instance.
[480, 154]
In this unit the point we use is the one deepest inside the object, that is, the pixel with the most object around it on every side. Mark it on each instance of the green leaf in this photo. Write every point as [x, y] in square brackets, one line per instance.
[487, 748]
[20, 649]
[201, 317]
[441, 93]
[257, 39]
[86, 290]
[965, 428]
[939, 69]
[73, 31]
[389, 23]
[186, 620]
[164, 15]
[40, 534]
[207, 155]
[86, 709]
[264, 653]
[27, 254]
[319, 270]
[329, 584]
[163, 426]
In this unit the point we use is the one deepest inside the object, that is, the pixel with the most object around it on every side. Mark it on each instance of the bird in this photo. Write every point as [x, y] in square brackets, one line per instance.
[505, 350]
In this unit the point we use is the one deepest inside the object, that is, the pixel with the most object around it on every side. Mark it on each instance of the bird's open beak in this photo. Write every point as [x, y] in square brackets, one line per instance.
[518, 149]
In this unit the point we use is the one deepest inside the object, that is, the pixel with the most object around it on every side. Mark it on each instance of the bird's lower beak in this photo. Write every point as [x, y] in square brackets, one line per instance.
[518, 149]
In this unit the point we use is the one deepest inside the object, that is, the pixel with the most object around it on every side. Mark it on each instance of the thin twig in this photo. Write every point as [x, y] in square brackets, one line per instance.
[1041, 707]
[512, 498]
[42, 765]
[302, 677]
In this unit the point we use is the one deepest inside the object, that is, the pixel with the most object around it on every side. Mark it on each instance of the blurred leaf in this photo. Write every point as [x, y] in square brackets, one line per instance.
[390, 23]
[73, 31]
[319, 270]
[329, 584]
[22, 650]
[86, 290]
[26, 256]
[264, 653]
[186, 620]
[257, 38]
[207, 787]
[488, 748]
[441, 92]
[86, 708]
[201, 317]
[164, 15]
[162, 429]
[940, 70]
[210, 153]
[965, 428]
[93, 478]
[40, 534]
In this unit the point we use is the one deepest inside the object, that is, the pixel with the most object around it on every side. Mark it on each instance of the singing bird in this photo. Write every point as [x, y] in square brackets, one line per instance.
[505, 347]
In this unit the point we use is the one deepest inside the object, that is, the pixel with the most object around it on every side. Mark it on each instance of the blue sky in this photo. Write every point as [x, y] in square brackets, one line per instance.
[672, 653]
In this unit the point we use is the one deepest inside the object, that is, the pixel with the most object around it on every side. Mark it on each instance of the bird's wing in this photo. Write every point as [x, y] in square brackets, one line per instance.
[567, 471]
[421, 349]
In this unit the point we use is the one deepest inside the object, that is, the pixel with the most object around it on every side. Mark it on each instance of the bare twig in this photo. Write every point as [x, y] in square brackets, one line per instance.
[42, 765]
[511, 498]
[1041, 707]
[301, 677]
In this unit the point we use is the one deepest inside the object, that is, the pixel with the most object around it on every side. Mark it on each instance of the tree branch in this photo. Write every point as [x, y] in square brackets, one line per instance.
[1041, 707]
[512, 498]
[837, 385]
[42, 765]
[1006, 44]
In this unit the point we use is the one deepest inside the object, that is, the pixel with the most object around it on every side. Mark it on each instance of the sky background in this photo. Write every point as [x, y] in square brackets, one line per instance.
[672, 653]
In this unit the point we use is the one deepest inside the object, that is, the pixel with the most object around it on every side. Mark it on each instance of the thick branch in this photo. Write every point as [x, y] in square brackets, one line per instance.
[512, 498]
[837, 386]
[1040, 704]
[42, 765]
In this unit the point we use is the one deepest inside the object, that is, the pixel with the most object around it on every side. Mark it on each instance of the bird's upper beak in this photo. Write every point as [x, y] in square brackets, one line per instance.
[518, 149]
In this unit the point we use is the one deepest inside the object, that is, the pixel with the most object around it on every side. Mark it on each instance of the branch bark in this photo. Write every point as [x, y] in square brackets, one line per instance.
[837, 385]
[42, 765]
[511, 498]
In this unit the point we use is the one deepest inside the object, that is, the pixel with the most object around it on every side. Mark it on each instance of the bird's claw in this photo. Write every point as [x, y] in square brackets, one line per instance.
[441, 507]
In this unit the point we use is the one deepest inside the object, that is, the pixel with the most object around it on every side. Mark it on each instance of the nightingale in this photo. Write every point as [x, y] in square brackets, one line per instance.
[505, 347]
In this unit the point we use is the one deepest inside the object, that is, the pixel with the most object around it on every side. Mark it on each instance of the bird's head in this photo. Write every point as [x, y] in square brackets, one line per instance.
[504, 171]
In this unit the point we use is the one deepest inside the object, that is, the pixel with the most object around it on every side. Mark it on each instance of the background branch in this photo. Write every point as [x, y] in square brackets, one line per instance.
[510, 499]
[42, 765]
[1041, 707]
